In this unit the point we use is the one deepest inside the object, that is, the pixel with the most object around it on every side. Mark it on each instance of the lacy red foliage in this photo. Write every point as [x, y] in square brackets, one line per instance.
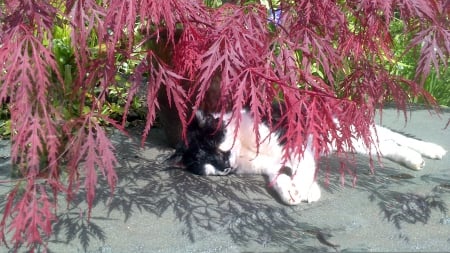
[322, 59]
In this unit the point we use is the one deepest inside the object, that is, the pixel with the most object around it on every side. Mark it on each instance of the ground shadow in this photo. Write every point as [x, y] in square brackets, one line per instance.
[239, 207]
[385, 185]
[236, 206]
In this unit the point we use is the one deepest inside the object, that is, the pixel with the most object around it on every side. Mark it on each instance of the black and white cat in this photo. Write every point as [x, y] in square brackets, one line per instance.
[212, 149]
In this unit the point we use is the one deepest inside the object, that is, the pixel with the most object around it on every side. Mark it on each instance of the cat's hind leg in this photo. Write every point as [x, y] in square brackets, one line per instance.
[399, 148]
[406, 150]
[427, 149]
[401, 154]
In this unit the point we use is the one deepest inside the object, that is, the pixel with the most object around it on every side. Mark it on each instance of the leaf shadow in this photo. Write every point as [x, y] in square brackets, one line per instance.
[75, 225]
[239, 207]
[410, 208]
[387, 186]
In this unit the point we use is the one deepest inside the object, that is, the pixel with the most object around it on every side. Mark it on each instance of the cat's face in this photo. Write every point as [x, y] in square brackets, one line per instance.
[201, 155]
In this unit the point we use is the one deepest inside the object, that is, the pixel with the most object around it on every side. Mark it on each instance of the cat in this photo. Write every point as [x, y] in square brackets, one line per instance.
[212, 149]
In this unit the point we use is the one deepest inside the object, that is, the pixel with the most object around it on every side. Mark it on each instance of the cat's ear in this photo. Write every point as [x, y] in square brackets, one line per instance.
[201, 118]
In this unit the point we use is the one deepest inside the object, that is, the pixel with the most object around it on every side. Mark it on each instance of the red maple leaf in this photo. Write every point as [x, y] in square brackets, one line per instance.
[321, 59]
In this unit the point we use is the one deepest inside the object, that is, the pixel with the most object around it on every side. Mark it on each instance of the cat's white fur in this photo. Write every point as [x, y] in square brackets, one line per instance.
[301, 186]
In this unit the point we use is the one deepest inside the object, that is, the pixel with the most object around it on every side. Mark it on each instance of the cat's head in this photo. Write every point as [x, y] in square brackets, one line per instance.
[200, 154]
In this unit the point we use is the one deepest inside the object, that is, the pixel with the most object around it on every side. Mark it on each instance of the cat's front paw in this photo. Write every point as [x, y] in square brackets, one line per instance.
[292, 193]
[302, 193]
[287, 190]
[314, 193]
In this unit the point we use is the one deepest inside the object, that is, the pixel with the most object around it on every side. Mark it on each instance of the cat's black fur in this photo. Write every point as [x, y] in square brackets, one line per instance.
[203, 138]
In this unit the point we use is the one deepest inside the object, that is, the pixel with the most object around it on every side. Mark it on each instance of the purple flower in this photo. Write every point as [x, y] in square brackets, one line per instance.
[275, 16]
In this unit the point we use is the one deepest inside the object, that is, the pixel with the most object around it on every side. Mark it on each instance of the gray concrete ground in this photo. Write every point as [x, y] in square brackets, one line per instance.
[160, 209]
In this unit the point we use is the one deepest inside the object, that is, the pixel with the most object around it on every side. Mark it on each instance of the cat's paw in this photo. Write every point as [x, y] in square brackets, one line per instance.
[431, 150]
[413, 160]
[291, 193]
[286, 190]
[304, 193]
[404, 155]
[314, 193]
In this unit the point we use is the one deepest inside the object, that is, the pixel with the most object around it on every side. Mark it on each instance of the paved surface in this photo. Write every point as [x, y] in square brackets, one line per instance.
[161, 209]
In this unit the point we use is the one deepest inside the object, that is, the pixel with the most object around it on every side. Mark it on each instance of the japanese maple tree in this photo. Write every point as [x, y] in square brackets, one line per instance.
[322, 59]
